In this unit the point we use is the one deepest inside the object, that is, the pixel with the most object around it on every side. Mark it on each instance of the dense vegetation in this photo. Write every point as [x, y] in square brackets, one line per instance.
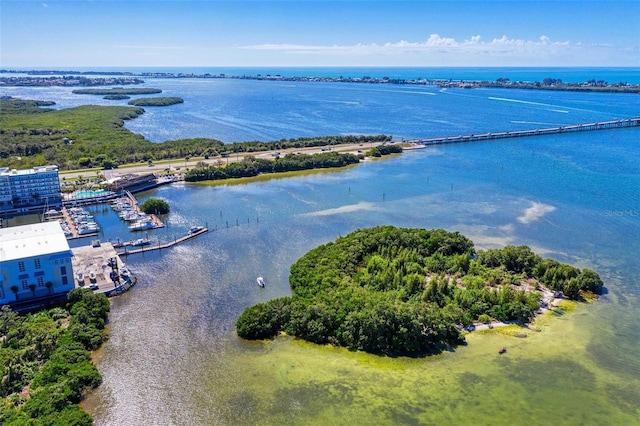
[116, 97]
[250, 166]
[155, 206]
[94, 136]
[163, 101]
[408, 291]
[118, 91]
[382, 150]
[44, 360]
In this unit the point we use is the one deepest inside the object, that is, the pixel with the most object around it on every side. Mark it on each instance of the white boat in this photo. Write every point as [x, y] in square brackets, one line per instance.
[195, 229]
[141, 225]
[260, 281]
[87, 229]
[140, 242]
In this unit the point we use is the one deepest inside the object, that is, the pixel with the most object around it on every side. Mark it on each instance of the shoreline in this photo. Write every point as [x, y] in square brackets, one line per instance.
[52, 78]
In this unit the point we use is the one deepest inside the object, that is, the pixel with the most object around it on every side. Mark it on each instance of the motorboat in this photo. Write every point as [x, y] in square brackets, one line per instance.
[140, 242]
[141, 225]
[87, 229]
[195, 229]
[260, 281]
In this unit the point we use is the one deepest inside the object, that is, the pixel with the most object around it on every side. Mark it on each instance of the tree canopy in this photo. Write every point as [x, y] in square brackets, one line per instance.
[155, 206]
[250, 166]
[44, 360]
[408, 291]
[34, 136]
[161, 101]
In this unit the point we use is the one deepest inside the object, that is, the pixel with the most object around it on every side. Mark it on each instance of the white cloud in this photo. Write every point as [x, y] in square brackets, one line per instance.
[441, 50]
[435, 41]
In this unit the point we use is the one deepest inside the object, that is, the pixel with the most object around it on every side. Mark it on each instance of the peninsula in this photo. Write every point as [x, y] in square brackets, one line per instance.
[402, 291]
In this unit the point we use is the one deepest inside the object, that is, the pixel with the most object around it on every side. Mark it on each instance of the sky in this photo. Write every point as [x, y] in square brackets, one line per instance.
[212, 33]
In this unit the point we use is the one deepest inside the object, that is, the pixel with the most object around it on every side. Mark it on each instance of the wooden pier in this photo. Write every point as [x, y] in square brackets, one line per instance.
[589, 127]
[165, 245]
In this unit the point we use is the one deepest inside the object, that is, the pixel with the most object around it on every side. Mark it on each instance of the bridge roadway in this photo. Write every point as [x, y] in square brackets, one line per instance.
[602, 125]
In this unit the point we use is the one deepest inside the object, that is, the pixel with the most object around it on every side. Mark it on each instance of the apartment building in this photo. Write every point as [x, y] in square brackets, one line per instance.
[35, 262]
[29, 190]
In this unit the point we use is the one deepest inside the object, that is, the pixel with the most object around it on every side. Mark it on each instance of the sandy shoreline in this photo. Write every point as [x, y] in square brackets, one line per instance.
[548, 303]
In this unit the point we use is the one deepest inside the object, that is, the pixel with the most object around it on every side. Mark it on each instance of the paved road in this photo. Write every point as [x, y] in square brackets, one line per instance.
[179, 165]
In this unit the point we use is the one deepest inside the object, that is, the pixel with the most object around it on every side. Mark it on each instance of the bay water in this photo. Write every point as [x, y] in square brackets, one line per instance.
[173, 356]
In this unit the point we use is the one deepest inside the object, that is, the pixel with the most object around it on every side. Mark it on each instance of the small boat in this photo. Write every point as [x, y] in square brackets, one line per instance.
[141, 225]
[195, 229]
[260, 281]
[140, 242]
[502, 350]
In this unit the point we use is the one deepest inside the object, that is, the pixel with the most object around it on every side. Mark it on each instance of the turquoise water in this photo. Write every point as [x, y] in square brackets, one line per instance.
[173, 356]
[90, 193]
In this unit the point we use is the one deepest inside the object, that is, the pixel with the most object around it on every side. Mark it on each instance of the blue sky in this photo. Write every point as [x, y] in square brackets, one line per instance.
[139, 33]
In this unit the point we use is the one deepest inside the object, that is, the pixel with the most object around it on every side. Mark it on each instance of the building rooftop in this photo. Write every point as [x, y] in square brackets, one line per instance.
[38, 239]
[5, 171]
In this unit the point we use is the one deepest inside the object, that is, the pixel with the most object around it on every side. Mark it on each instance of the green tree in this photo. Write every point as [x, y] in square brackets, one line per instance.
[155, 206]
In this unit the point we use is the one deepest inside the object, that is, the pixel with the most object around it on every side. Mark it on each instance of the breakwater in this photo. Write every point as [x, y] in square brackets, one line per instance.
[589, 127]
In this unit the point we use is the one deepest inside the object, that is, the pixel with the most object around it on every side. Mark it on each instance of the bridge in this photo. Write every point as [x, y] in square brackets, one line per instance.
[589, 127]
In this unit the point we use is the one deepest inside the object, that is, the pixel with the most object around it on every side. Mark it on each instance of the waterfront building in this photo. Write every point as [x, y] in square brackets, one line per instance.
[35, 263]
[132, 182]
[29, 190]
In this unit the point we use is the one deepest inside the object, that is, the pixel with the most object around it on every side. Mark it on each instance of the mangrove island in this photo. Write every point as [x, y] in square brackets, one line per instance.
[399, 291]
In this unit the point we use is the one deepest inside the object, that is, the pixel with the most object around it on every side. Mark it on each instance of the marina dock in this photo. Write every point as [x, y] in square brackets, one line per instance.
[148, 248]
[589, 127]
[157, 223]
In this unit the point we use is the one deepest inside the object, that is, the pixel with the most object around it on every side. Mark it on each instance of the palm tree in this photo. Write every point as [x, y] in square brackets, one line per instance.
[49, 286]
[14, 289]
[32, 287]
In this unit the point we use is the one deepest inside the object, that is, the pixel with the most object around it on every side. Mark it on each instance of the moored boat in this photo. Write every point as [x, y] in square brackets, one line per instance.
[141, 225]
[260, 281]
[195, 229]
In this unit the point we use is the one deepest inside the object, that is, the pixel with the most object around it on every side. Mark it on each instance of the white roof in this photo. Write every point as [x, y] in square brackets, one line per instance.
[38, 239]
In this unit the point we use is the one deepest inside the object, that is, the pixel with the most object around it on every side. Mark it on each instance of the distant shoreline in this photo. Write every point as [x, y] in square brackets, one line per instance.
[37, 78]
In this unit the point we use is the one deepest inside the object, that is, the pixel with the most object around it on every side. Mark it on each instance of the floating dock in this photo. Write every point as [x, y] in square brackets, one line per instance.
[143, 249]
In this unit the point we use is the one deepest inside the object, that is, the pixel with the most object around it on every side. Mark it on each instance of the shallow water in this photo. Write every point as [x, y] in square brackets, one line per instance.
[173, 356]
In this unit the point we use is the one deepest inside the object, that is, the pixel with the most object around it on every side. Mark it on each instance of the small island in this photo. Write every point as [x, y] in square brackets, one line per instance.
[399, 291]
[165, 101]
[118, 91]
[116, 97]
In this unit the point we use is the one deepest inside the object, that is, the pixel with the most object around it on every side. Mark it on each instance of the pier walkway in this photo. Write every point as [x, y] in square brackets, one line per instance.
[589, 127]
[165, 245]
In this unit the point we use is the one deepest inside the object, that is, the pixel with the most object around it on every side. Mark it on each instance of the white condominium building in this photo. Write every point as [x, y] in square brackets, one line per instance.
[29, 188]
[35, 261]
